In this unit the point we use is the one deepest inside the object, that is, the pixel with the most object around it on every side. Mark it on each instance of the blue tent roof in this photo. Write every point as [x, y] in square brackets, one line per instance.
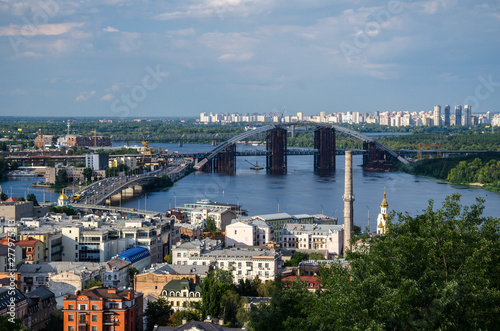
[134, 254]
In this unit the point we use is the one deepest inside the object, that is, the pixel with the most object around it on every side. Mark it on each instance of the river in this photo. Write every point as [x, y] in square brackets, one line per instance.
[299, 192]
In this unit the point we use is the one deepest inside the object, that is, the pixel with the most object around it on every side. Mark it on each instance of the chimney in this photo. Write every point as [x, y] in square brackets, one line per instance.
[221, 321]
[184, 321]
[348, 202]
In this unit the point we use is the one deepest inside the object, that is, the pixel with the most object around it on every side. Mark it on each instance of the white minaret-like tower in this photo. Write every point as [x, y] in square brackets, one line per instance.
[348, 202]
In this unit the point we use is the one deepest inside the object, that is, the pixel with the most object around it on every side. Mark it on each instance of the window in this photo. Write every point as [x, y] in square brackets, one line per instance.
[70, 328]
[71, 317]
[94, 318]
[71, 307]
[94, 328]
[94, 307]
[83, 307]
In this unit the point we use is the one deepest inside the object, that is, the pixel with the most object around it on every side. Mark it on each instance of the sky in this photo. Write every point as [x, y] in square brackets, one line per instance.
[140, 58]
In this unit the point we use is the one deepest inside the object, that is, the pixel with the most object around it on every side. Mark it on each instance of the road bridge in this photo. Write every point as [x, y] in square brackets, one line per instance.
[113, 209]
[101, 191]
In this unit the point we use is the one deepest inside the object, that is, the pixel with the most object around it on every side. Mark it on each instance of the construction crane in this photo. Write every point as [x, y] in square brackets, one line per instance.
[146, 149]
[254, 166]
[438, 148]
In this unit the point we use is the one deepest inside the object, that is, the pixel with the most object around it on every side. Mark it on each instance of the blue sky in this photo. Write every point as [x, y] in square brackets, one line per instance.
[141, 58]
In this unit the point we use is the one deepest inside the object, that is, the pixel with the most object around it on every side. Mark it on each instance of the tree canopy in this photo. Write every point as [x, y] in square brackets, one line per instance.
[436, 271]
[157, 312]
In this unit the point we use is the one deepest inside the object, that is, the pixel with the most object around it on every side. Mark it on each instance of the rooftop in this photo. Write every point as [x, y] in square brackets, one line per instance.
[175, 269]
[96, 293]
[134, 254]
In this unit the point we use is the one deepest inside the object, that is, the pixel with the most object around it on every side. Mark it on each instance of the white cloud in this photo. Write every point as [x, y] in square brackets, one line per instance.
[84, 96]
[110, 29]
[38, 30]
[182, 32]
[107, 97]
[235, 57]
[217, 8]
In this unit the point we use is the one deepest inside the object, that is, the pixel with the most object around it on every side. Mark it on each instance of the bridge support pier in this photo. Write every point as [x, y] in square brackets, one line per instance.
[324, 142]
[276, 146]
[225, 161]
[375, 159]
[116, 199]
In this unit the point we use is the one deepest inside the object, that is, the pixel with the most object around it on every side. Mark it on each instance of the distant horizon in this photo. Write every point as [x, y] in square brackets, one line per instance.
[175, 59]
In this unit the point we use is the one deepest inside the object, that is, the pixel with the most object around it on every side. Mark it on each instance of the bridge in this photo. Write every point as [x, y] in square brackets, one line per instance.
[104, 190]
[113, 209]
[222, 158]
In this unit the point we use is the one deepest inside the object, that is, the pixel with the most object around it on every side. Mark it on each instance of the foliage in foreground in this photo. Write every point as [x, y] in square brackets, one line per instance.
[435, 271]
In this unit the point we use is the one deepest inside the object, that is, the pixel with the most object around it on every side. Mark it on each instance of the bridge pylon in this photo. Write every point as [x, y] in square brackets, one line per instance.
[324, 143]
[276, 147]
[376, 159]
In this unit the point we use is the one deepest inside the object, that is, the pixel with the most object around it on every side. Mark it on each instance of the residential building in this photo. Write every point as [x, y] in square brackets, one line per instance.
[244, 263]
[97, 161]
[139, 257]
[129, 161]
[191, 231]
[33, 251]
[13, 300]
[207, 203]
[467, 115]
[312, 281]
[87, 141]
[184, 251]
[277, 221]
[437, 115]
[6, 257]
[117, 273]
[62, 278]
[41, 303]
[458, 115]
[181, 292]
[325, 239]
[52, 241]
[43, 141]
[15, 210]
[102, 308]
[152, 281]
[221, 216]
[446, 115]
[248, 232]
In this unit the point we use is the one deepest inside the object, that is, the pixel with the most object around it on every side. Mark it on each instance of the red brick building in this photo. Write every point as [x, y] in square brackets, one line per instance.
[103, 309]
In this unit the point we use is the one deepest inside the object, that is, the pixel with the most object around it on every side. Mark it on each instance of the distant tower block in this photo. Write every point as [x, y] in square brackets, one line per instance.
[382, 217]
[447, 115]
[348, 202]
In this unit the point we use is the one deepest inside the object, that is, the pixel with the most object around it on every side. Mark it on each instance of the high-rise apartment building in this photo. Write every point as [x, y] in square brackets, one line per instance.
[437, 115]
[467, 115]
[458, 115]
[446, 115]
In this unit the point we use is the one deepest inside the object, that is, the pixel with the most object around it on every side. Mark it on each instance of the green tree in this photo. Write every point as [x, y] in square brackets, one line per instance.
[32, 197]
[157, 313]
[93, 283]
[191, 315]
[61, 179]
[6, 324]
[14, 165]
[213, 288]
[316, 256]
[55, 322]
[435, 271]
[3, 196]
[132, 271]
[296, 259]
[87, 174]
[63, 209]
[210, 225]
[168, 258]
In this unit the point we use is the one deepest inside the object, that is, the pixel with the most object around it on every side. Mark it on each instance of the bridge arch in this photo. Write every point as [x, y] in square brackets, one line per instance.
[368, 141]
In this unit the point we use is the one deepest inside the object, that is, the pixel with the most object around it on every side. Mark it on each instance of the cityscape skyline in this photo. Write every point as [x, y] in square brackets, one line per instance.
[128, 59]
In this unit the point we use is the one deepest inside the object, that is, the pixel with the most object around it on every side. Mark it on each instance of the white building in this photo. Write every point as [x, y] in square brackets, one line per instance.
[382, 217]
[327, 239]
[221, 216]
[117, 273]
[248, 232]
[244, 263]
